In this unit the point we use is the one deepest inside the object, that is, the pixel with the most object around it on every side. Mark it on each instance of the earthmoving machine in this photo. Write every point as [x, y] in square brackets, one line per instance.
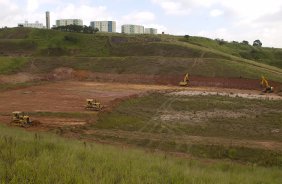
[266, 86]
[93, 105]
[185, 81]
[21, 119]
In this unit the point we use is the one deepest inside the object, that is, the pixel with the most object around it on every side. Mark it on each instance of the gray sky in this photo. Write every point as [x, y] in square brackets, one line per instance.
[227, 19]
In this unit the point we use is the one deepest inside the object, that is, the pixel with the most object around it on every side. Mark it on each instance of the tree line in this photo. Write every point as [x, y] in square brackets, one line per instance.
[77, 29]
[256, 43]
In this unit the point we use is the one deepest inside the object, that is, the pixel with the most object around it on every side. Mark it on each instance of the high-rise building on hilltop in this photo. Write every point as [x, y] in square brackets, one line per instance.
[104, 26]
[132, 29]
[66, 22]
[31, 25]
[151, 31]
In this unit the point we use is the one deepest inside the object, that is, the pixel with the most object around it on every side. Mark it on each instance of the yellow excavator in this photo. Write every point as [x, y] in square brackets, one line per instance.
[266, 86]
[93, 105]
[185, 81]
[21, 119]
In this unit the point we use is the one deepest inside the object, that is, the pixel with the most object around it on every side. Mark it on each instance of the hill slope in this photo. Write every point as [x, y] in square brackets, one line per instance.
[46, 50]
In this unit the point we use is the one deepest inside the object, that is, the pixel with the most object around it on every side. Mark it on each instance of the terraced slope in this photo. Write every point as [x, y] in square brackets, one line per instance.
[42, 51]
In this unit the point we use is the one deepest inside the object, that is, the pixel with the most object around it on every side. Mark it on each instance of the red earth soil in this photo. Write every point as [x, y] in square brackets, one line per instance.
[238, 83]
[67, 97]
[61, 74]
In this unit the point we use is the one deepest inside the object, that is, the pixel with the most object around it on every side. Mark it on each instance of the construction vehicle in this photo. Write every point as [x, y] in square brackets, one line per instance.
[21, 119]
[185, 81]
[266, 86]
[93, 105]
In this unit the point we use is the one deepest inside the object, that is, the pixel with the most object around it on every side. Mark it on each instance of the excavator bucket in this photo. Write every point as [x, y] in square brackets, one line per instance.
[182, 83]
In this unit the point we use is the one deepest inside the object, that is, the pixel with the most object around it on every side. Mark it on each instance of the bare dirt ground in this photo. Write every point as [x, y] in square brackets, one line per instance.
[195, 81]
[70, 96]
[81, 75]
[66, 97]
[249, 94]
[18, 78]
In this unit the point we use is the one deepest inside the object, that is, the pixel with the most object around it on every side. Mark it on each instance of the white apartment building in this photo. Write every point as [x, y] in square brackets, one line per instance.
[132, 29]
[151, 31]
[31, 25]
[104, 26]
[66, 22]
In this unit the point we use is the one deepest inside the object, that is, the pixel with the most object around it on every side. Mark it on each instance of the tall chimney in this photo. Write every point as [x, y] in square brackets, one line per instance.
[48, 20]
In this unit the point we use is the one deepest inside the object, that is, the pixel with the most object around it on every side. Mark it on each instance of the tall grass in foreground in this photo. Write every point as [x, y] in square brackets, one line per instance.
[44, 158]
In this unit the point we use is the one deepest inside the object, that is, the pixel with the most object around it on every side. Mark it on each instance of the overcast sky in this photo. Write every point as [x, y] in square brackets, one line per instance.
[227, 19]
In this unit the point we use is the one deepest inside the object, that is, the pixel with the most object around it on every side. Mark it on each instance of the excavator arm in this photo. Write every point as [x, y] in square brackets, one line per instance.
[186, 78]
[264, 83]
[185, 81]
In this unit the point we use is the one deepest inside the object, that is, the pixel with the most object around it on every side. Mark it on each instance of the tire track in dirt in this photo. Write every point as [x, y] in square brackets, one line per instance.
[187, 139]
[153, 126]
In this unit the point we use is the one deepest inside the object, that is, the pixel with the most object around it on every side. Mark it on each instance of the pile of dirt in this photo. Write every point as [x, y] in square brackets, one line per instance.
[62, 74]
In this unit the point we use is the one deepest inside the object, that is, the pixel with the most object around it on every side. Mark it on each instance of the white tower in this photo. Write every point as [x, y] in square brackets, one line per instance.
[48, 20]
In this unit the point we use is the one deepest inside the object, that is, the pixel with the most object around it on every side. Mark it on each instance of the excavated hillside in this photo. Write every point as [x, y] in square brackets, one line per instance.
[28, 55]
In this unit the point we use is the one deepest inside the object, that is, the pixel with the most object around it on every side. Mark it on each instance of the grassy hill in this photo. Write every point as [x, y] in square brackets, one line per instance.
[271, 56]
[21, 48]
[224, 147]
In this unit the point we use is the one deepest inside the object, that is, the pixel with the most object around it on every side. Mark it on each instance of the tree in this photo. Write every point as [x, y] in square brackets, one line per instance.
[77, 29]
[96, 30]
[257, 43]
[245, 42]
[220, 41]
[187, 37]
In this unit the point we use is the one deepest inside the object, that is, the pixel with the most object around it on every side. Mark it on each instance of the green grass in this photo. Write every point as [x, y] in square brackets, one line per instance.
[11, 64]
[56, 43]
[142, 54]
[140, 65]
[45, 158]
[139, 112]
[270, 56]
[140, 123]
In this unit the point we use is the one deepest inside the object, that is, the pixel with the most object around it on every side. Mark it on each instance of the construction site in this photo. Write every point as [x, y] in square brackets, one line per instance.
[183, 100]
[60, 105]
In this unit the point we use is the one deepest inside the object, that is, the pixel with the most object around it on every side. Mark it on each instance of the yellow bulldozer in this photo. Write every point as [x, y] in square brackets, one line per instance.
[267, 88]
[23, 120]
[185, 81]
[93, 105]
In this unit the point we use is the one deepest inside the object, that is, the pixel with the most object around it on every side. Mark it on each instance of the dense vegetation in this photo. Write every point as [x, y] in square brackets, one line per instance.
[77, 29]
